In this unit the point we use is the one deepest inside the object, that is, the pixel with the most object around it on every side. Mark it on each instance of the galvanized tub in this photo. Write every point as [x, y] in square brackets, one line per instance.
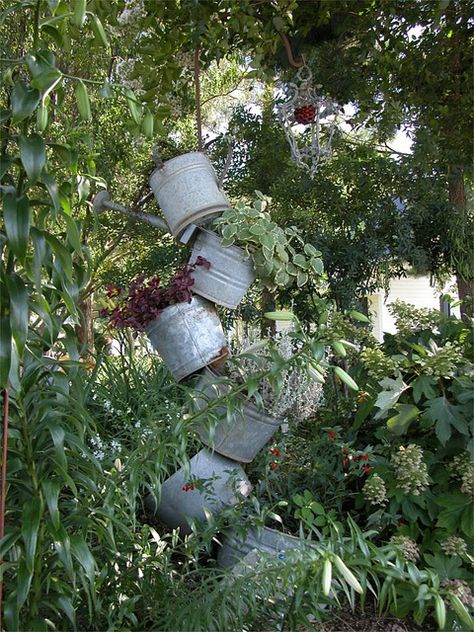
[188, 337]
[188, 191]
[227, 484]
[230, 275]
[235, 547]
[241, 437]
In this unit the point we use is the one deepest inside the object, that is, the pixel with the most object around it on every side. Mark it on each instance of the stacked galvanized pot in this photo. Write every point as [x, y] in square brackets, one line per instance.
[190, 339]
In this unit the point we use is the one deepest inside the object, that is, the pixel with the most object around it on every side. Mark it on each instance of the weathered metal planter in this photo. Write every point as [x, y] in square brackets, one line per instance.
[188, 191]
[234, 547]
[240, 438]
[226, 485]
[230, 275]
[188, 337]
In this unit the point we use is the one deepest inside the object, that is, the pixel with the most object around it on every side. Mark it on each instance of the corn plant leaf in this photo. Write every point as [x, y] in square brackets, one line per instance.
[81, 552]
[18, 294]
[66, 606]
[32, 155]
[16, 216]
[31, 517]
[23, 583]
[5, 351]
[51, 495]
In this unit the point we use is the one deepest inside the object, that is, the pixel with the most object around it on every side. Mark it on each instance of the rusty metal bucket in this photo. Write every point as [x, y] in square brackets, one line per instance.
[188, 337]
[243, 435]
[221, 483]
[230, 275]
[188, 191]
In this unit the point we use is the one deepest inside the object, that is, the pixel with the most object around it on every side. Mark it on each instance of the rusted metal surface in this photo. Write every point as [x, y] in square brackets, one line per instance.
[241, 437]
[188, 337]
[188, 192]
[182, 495]
[230, 275]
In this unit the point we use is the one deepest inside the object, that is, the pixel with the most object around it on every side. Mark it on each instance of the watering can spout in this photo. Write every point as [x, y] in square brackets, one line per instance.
[102, 202]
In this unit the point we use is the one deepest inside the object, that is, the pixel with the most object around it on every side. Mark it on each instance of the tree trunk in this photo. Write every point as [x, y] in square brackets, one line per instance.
[85, 330]
[268, 327]
[465, 281]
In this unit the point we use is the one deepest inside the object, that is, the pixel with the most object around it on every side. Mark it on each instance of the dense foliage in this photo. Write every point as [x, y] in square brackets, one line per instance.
[377, 474]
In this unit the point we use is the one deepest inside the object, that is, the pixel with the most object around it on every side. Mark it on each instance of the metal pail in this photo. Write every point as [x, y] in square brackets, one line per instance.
[188, 191]
[188, 337]
[241, 437]
[230, 275]
[235, 547]
[224, 483]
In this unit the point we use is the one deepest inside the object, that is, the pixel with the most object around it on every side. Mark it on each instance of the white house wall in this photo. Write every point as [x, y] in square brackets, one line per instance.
[415, 290]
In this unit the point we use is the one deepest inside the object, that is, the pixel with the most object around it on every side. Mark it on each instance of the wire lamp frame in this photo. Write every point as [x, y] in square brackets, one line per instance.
[306, 107]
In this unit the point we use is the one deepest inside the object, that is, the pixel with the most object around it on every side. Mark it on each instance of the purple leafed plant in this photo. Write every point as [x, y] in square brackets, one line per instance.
[145, 300]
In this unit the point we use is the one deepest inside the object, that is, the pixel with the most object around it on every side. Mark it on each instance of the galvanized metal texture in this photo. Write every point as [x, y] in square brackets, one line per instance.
[249, 429]
[224, 481]
[235, 547]
[230, 275]
[188, 337]
[187, 190]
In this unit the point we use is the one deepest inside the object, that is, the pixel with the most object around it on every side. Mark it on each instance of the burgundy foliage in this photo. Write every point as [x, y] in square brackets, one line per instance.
[145, 300]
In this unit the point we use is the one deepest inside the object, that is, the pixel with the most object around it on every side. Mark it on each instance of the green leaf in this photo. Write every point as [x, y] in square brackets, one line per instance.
[399, 423]
[461, 612]
[301, 279]
[81, 552]
[23, 582]
[66, 606]
[317, 265]
[423, 385]
[82, 100]
[18, 310]
[280, 315]
[5, 350]
[147, 125]
[32, 155]
[98, 30]
[79, 16]
[339, 348]
[363, 412]
[445, 415]
[24, 101]
[358, 316]
[16, 215]
[346, 378]
[31, 517]
[389, 397]
[133, 106]
[52, 187]
[51, 494]
[39, 254]
[300, 261]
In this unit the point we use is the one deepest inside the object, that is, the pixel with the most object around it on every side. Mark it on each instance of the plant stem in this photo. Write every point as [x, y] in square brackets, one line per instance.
[6, 397]
[197, 87]
[36, 24]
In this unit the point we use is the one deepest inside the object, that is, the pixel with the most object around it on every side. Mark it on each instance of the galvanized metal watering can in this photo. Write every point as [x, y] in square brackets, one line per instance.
[188, 191]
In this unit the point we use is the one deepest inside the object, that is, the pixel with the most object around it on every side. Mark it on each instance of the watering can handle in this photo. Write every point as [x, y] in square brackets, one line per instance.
[228, 160]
